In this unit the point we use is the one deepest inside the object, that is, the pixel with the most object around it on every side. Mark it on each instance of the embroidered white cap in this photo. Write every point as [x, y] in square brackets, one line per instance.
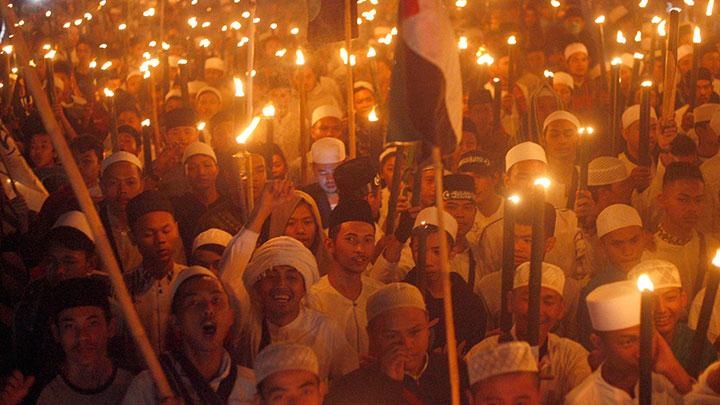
[663, 274]
[327, 110]
[524, 151]
[552, 277]
[185, 274]
[327, 151]
[485, 361]
[632, 114]
[198, 148]
[394, 296]
[604, 170]
[614, 306]
[616, 216]
[429, 216]
[212, 236]
[120, 156]
[563, 78]
[284, 356]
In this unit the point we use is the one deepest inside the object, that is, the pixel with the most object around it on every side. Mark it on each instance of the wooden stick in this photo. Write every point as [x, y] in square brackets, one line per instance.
[352, 152]
[250, 62]
[706, 309]
[81, 192]
[447, 291]
[669, 88]
[395, 190]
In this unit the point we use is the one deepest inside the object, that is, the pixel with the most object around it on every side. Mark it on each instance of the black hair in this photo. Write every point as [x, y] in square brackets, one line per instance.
[677, 171]
[524, 216]
[683, 145]
[85, 143]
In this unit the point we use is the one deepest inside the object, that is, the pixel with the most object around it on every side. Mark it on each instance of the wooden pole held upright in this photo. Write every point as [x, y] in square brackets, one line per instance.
[81, 192]
[352, 152]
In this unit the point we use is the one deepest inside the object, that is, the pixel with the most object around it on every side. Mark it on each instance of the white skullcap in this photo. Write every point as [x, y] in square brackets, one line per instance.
[616, 216]
[627, 60]
[284, 357]
[484, 362]
[327, 110]
[390, 150]
[77, 220]
[212, 236]
[360, 84]
[563, 78]
[524, 151]
[683, 51]
[121, 156]
[209, 89]
[394, 296]
[173, 93]
[552, 277]
[574, 48]
[215, 63]
[198, 148]
[195, 85]
[614, 306]
[327, 151]
[663, 274]
[133, 73]
[606, 170]
[632, 114]
[715, 122]
[281, 251]
[561, 115]
[173, 61]
[704, 112]
[185, 274]
[429, 216]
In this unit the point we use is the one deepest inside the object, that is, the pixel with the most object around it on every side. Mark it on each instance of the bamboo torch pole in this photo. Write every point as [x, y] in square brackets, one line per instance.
[349, 85]
[81, 192]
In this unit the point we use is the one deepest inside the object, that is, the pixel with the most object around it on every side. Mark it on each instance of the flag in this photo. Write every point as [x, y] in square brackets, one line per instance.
[326, 21]
[425, 102]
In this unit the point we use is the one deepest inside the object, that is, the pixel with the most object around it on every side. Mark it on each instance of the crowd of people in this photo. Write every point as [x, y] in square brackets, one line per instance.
[288, 270]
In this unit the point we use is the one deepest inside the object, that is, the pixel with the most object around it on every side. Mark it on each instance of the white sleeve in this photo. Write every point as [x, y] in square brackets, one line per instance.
[141, 391]
[236, 257]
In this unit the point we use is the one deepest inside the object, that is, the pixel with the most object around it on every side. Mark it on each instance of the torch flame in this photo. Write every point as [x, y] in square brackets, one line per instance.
[696, 35]
[108, 92]
[716, 259]
[299, 57]
[512, 40]
[372, 117]
[543, 182]
[709, 9]
[600, 19]
[515, 199]
[646, 83]
[245, 134]
[239, 91]
[268, 111]
[644, 283]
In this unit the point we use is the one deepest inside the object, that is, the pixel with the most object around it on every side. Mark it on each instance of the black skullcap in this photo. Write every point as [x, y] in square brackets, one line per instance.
[458, 187]
[146, 202]
[80, 292]
[356, 177]
[127, 129]
[475, 162]
[351, 210]
[702, 74]
[179, 117]
[479, 96]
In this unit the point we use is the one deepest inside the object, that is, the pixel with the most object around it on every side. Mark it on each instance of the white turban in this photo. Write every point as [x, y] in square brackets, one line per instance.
[282, 251]
[283, 357]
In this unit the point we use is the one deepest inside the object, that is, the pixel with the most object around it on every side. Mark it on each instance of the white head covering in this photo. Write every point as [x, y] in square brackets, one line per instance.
[561, 115]
[195, 85]
[198, 148]
[394, 296]
[704, 112]
[632, 114]
[574, 48]
[121, 156]
[212, 236]
[715, 122]
[489, 361]
[563, 78]
[387, 151]
[606, 170]
[77, 220]
[663, 274]
[185, 274]
[327, 151]
[616, 216]
[281, 251]
[429, 216]
[173, 93]
[360, 84]
[552, 277]
[215, 63]
[327, 110]
[683, 51]
[209, 89]
[524, 151]
[284, 356]
[614, 306]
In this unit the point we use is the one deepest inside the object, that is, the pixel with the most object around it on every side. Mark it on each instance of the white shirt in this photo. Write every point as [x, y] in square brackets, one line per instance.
[595, 390]
[349, 314]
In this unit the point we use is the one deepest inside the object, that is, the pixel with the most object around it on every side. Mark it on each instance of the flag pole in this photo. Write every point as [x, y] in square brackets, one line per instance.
[250, 61]
[81, 192]
[447, 291]
[352, 151]
[395, 189]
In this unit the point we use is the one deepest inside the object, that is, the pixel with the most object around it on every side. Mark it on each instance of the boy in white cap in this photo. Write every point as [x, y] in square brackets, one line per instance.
[670, 309]
[402, 370]
[620, 243]
[214, 74]
[469, 313]
[278, 277]
[343, 293]
[606, 186]
[327, 154]
[563, 85]
[503, 374]
[563, 362]
[590, 100]
[288, 373]
[677, 239]
[121, 180]
[208, 248]
[327, 121]
[198, 366]
[615, 314]
[560, 140]
[208, 102]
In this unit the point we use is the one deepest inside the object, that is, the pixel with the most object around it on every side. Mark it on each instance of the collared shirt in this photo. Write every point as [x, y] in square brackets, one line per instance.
[595, 390]
[318, 331]
[349, 314]
[127, 251]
